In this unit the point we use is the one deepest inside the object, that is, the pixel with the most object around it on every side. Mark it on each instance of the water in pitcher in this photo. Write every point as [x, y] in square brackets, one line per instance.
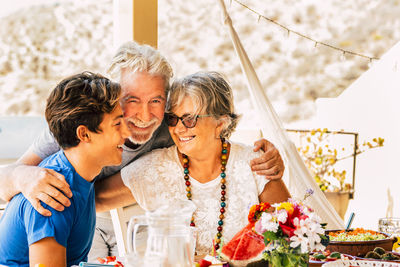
[170, 240]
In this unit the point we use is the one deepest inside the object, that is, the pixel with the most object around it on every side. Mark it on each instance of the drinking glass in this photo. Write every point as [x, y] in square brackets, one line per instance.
[391, 226]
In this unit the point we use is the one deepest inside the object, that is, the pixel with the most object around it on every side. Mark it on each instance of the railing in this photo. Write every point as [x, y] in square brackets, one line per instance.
[354, 154]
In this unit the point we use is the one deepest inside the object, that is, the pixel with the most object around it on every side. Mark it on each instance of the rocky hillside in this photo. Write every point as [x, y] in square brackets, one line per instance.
[41, 44]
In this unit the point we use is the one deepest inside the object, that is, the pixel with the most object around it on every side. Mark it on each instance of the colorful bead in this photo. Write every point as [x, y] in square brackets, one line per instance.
[224, 158]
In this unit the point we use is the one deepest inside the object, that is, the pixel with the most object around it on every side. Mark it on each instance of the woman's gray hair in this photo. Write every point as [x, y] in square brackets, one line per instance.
[210, 93]
[140, 58]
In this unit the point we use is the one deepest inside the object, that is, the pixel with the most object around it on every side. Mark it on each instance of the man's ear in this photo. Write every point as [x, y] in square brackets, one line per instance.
[82, 132]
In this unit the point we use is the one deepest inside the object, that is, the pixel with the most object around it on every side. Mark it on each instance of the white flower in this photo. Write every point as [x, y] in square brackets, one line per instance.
[299, 240]
[268, 222]
[282, 216]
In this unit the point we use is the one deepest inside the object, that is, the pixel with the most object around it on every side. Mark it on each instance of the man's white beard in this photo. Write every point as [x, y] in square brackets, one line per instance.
[141, 138]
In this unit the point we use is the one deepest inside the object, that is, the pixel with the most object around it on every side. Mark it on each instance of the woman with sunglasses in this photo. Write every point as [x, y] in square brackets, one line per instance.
[203, 166]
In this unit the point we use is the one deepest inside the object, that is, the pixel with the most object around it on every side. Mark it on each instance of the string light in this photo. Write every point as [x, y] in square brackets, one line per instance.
[370, 63]
[307, 37]
[343, 56]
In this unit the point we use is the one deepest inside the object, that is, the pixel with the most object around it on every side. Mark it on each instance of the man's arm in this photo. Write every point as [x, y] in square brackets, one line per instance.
[36, 184]
[112, 193]
[270, 163]
[48, 252]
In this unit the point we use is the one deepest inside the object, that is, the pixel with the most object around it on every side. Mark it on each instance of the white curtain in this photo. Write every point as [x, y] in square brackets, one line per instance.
[299, 177]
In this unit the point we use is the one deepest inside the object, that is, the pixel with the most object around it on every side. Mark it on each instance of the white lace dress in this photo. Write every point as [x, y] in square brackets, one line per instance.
[157, 177]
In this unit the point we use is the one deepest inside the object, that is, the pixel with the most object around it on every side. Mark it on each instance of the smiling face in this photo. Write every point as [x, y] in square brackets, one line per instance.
[108, 142]
[194, 141]
[143, 102]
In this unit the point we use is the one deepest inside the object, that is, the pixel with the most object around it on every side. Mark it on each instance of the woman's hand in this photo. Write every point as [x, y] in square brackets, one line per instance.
[270, 163]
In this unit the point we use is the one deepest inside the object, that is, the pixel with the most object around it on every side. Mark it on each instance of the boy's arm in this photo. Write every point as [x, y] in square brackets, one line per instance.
[112, 193]
[35, 183]
[48, 252]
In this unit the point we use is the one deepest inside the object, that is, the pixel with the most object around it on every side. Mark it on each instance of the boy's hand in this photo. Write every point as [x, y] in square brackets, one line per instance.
[270, 163]
[40, 184]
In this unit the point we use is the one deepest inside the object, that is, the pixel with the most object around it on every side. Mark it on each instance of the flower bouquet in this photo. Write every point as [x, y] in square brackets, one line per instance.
[291, 231]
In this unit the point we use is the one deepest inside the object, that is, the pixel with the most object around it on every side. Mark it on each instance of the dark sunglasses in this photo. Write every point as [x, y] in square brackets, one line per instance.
[189, 121]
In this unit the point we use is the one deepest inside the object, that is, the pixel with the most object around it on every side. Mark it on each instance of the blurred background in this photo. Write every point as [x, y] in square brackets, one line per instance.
[45, 40]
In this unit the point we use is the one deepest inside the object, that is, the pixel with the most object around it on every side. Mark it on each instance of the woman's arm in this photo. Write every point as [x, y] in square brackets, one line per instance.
[111, 193]
[275, 191]
[48, 252]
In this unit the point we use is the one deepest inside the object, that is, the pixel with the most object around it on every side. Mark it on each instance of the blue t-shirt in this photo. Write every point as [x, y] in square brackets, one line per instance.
[21, 225]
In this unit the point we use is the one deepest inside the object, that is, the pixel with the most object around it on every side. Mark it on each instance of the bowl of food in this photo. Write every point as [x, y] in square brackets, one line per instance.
[379, 254]
[358, 242]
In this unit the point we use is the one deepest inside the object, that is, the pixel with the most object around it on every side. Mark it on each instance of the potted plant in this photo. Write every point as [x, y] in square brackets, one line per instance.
[321, 155]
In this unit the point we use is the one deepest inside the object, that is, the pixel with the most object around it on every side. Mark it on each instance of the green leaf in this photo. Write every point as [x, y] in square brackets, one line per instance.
[269, 236]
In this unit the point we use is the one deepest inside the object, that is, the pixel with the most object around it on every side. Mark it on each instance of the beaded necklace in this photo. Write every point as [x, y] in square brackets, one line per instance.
[224, 158]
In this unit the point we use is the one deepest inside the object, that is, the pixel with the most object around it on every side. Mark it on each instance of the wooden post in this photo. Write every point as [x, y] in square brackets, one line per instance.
[145, 22]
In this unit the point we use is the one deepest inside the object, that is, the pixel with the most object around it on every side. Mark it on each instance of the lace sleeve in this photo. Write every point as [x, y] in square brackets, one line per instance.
[260, 180]
[146, 177]
[135, 176]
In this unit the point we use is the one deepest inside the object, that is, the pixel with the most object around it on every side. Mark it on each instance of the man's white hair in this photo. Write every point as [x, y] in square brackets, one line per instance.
[140, 58]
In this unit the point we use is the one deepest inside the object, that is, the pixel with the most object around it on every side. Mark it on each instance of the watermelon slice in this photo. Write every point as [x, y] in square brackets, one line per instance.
[245, 247]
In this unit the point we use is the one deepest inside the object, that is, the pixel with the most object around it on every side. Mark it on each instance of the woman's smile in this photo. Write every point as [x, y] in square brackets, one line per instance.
[186, 138]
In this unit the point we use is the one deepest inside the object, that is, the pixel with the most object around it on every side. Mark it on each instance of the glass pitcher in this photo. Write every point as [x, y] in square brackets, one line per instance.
[169, 236]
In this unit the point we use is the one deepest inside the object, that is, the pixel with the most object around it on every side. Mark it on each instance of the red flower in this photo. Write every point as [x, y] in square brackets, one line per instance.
[288, 227]
[287, 230]
[256, 211]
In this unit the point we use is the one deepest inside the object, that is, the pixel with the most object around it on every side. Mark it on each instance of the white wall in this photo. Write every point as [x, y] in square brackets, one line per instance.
[371, 107]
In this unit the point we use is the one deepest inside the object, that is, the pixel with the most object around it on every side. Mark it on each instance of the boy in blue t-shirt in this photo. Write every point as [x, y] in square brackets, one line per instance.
[86, 119]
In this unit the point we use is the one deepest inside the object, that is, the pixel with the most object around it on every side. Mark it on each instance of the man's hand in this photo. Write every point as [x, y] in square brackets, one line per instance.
[269, 163]
[39, 184]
